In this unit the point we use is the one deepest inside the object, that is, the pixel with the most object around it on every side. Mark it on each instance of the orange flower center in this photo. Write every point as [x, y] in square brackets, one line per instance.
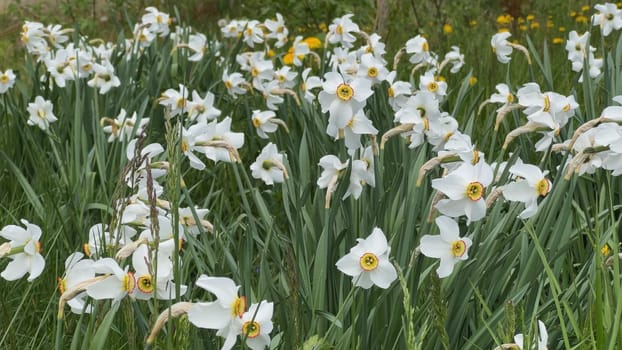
[238, 307]
[251, 329]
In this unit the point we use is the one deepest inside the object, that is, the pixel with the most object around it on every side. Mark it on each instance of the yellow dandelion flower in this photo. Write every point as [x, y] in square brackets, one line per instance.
[619, 4]
[522, 27]
[472, 81]
[558, 41]
[504, 19]
[323, 27]
[530, 17]
[521, 20]
[313, 42]
[581, 19]
[573, 13]
[605, 250]
[562, 29]
[501, 30]
[473, 22]
[447, 28]
[550, 24]
[534, 25]
[585, 8]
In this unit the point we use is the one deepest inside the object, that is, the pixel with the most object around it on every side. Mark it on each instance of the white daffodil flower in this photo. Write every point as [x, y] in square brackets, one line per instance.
[343, 99]
[531, 185]
[465, 188]
[277, 30]
[609, 17]
[7, 80]
[419, 49]
[428, 82]
[156, 21]
[501, 46]
[263, 123]
[221, 132]
[449, 247]
[358, 125]
[175, 101]
[104, 78]
[341, 31]
[368, 262]
[41, 113]
[77, 270]
[24, 251]
[256, 325]
[224, 314]
[398, 91]
[202, 109]
[119, 283]
[144, 262]
[269, 165]
[122, 128]
[372, 68]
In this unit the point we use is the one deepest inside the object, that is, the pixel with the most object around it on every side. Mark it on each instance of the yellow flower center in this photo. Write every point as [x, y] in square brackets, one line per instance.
[547, 104]
[475, 157]
[238, 307]
[543, 187]
[475, 191]
[4, 79]
[159, 19]
[256, 122]
[391, 92]
[145, 284]
[566, 107]
[372, 72]
[254, 72]
[228, 84]
[368, 261]
[345, 92]
[339, 29]
[41, 113]
[129, 282]
[251, 329]
[62, 285]
[184, 146]
[426, 124]
[425, 46]
[181, 102]
[87, 249]
[433, 86]
[458, 248]
[510, 98]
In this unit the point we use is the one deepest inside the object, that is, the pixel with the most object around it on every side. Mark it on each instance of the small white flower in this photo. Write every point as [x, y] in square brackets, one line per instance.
[7, 80]
[448, 246]
[608, 18]
[28, 259]
[528, 189]
[501, 47]
[465, 188]
[341, 31]
[41, 113]
[368, 262]
[269, 165]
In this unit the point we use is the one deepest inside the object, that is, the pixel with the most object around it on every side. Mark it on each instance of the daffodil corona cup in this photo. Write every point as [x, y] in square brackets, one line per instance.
[268, 187]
